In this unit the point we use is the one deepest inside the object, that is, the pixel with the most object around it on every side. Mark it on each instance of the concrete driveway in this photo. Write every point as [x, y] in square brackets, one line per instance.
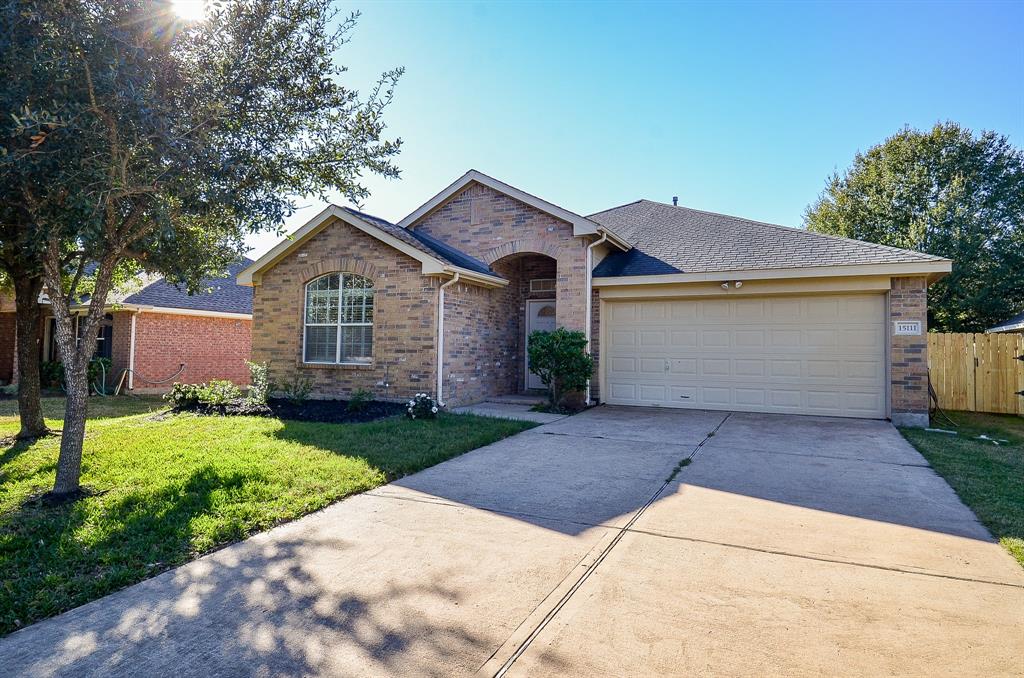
[788, 546]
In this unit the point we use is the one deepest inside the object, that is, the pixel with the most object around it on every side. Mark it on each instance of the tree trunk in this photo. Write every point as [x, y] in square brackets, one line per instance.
[26, 291]
[69, 463]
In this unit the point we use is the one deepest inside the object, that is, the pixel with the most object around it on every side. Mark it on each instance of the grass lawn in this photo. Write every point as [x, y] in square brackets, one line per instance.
[988, 478]
[170, 488]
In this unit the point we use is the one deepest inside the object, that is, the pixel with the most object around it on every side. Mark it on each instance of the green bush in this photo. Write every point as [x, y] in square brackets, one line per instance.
[561, 361]
[259, 384]
[51, 374]
[298, 389]
[183, 396]
[359, 400]
[218, 393]
[422, 406]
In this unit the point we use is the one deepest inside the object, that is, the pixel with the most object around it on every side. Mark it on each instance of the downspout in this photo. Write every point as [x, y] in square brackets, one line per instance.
[131, 355]
[440, 337]
[590, 294]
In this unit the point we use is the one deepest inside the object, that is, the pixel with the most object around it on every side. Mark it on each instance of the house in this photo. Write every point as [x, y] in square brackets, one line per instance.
[1014, 324]
[682, 308]
[157, 334]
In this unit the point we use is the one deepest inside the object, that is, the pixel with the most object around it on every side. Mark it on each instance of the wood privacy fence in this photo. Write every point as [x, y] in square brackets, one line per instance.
[977, 372]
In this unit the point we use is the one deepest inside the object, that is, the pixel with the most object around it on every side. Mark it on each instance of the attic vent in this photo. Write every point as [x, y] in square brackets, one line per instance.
[675, 201]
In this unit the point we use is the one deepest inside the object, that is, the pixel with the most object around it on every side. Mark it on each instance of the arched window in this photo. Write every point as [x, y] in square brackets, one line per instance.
[339, 319]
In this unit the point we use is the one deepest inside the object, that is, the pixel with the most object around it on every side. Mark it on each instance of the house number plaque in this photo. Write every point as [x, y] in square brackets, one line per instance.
[907, 327]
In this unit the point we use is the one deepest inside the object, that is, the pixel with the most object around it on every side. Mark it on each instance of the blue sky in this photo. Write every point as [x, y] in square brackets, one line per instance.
[737, 108]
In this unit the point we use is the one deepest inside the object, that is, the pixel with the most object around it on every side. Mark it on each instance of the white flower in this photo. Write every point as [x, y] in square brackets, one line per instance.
[434, 409]
[413, 416]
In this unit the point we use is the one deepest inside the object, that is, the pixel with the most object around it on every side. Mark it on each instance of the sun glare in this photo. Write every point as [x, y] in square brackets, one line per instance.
[189, 10]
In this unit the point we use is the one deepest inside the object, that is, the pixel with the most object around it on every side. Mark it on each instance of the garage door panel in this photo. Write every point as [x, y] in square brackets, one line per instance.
[817, 355]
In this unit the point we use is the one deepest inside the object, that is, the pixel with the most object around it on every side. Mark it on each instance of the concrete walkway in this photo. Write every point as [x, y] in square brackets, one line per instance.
[789, 546]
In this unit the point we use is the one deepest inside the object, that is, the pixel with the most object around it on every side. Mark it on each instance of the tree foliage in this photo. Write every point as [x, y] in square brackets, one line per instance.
[947, 192]
[133, 140]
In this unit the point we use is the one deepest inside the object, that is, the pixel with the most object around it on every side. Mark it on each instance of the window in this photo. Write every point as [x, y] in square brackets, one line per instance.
[104, 337]
[542, 285]
[339, 319]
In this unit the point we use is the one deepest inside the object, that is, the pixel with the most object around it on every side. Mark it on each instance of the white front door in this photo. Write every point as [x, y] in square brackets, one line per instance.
[540, 317]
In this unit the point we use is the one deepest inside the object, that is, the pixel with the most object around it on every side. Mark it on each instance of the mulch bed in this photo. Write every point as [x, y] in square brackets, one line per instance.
[324, 411]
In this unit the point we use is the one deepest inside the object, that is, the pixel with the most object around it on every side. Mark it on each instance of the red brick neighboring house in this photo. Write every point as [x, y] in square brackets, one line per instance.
[160, 334]
[682, 308]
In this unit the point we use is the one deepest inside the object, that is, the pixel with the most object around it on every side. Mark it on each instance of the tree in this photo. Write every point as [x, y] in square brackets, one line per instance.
[561, 361]
[147, 143]
[26, 286]
[946, 192]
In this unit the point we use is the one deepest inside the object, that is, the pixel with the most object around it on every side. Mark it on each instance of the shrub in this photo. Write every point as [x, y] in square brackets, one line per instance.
[298, 389]
[421, 406]
[259, 384]
[219, 393]
[560, 359]
[51, 374]
[183, 396]
[98, 372]
[359, 400]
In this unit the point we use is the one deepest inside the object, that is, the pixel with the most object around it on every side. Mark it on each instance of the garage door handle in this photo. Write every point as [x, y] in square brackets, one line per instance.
[666, 365]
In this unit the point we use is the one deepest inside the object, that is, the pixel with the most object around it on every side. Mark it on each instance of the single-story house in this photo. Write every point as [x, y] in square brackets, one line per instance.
[682, 308]
[1014, 324]
[158, 333]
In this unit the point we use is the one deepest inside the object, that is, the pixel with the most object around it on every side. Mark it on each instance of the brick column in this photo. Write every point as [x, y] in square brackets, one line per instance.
[908, 300]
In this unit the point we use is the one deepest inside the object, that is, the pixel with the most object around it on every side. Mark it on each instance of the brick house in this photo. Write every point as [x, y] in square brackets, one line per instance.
[159, 334]
[682, 308]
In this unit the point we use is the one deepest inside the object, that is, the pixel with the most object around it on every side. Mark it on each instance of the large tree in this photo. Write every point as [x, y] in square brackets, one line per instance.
[948, 192]
[146, 142]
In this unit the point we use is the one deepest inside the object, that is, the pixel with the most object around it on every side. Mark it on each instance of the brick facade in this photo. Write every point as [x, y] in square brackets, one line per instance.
[209, 347]
[908, 300]
[405, 306]
[7, 333]
[491, 226]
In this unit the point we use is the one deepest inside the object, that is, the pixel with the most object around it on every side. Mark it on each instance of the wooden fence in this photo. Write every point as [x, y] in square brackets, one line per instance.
[977, 372]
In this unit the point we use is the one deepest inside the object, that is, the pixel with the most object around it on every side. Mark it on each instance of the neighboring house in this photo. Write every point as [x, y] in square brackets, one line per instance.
[1014, 324]
[159, 334]
[683, 308]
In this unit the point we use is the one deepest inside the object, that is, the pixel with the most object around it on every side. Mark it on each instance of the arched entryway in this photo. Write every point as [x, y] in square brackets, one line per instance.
[531, 302]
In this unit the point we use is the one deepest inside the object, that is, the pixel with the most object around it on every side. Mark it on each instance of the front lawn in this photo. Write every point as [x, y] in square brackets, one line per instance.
[989, 478]
[168, 488]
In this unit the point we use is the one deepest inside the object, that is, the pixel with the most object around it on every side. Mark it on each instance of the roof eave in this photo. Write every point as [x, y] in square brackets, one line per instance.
[933, 270]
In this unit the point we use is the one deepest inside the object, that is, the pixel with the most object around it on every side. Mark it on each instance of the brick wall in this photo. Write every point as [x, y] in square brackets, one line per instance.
[7, 333]
[908, 300]
[405, 305]
[121, 347]
[210, 348]
[491, 226]
[481, 349]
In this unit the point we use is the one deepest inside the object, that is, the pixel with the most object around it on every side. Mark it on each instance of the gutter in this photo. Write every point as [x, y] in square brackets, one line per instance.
[590, 294]
[440, 337]
[131, 354]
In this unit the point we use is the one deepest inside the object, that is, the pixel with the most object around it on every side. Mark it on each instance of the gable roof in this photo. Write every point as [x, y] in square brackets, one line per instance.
[225, 295]
[435, 257]
[669, 239]
[1014, 324]
[580, 225]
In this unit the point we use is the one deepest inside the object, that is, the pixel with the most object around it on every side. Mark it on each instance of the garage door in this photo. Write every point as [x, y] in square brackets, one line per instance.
[809, 355]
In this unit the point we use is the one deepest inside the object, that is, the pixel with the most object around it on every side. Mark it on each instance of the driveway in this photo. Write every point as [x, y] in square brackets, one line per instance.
[788, 545]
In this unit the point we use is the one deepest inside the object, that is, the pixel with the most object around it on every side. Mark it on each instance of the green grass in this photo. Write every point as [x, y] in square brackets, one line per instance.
[987, 477]
[168, 488]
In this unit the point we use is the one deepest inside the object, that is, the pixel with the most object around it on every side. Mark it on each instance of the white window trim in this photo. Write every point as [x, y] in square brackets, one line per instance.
[337, 325]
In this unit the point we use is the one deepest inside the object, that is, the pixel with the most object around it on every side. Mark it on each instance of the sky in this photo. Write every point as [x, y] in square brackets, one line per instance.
[741, 108]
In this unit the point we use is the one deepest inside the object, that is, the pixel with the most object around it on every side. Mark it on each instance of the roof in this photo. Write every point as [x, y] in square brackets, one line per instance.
[426, 244]
[225, 295]
[1014, 324]
[669, 239]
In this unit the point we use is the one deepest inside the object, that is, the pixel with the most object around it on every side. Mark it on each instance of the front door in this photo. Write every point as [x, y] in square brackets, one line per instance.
[540, 317]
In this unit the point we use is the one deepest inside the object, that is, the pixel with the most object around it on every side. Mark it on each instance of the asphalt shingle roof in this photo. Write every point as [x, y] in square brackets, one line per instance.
[225, 295]
[669, 239]
[425, 243]
[1015, 322]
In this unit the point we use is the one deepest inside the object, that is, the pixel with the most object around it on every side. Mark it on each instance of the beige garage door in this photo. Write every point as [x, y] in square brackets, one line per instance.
[809, 355]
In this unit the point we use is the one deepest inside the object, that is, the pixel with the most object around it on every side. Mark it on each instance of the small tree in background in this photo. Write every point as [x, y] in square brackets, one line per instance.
[561, 361]
[131, 140]
[948, 192]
